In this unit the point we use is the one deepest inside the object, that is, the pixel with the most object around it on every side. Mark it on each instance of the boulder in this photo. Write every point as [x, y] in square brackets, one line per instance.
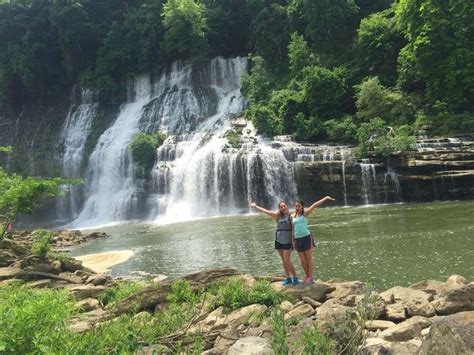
[87, 304]
[80, 327]
[286, 306]
[98, 279]
[248, 279]
[377, 346]
[455, 300]
[251, 346]
[395, 312]
[303, 311]
[406, 330]
[241, 315]
[9, 273]
[313, 303]
[416, 302]
[450, 335]
[456, 280]
[331, 312]
[85, 291]
[345, 292]
[71, 265]
[378, 324]
[316, 291]
[45, 283]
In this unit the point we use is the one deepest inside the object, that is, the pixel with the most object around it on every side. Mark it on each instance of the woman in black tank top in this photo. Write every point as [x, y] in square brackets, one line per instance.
[283, 238]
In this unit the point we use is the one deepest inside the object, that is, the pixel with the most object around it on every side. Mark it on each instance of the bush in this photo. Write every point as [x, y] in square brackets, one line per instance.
[445, 123]
[344, 130]
[279, 332]
[233, 294]
[29, 317]
[42, 243]
[143, 148]
[181, 292]
[315, 341]
[118, 292]
[375, 137]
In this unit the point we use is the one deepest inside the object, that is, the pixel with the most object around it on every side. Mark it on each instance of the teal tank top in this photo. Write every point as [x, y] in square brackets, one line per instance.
[300, 226]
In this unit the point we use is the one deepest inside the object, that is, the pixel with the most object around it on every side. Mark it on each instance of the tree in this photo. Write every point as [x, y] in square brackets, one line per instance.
[377, 45]
[23, 195]
[376, 101]
[299, 54]
[186, 28]
[326, 23]
[440, 50]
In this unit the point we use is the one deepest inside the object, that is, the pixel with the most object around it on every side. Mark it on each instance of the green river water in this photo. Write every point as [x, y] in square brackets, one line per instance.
[384, 245]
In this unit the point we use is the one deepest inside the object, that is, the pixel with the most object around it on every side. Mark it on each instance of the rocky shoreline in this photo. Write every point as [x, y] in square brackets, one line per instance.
[429, 317]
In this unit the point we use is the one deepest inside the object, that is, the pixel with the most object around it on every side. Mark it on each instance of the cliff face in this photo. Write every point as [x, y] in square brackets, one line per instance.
[441, 169]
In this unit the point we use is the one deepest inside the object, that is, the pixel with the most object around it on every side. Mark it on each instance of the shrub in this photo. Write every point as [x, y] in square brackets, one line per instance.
[279, 332]
[233, 294]
[344, 130]
[118, 292]
[29, 317]
[42, 243]
[316, 342]
[181, 292]
[143, 148]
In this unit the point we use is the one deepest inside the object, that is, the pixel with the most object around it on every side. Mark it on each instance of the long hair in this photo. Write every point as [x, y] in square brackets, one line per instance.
[279, 213]
[302, 205]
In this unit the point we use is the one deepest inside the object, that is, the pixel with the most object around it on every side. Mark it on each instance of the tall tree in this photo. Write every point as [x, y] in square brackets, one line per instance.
[440, 50]
[186, 28]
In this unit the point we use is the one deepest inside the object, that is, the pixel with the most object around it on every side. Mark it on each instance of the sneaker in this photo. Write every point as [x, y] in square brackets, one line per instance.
[308, 280]
[287, 281]
[295, 281]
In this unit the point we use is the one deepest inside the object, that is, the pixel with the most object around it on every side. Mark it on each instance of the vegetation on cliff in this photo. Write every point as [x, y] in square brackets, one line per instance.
[320, 70]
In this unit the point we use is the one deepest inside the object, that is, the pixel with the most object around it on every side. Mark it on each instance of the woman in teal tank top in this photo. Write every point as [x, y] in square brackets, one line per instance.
[303, 240]
[283, 238]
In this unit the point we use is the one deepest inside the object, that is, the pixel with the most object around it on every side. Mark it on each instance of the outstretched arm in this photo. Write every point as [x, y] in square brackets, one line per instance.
[272, 214]
[310, 209]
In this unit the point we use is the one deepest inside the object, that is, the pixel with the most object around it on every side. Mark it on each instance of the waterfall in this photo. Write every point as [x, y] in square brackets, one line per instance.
[111, 189]
[394, 182]
[368, 177]
[72, 140]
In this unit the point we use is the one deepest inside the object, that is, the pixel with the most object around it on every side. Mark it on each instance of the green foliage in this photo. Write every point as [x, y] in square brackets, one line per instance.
[118, 292]
[341, 130]
[279, 332]
[440, 50]
[256, 86]
[375, 137]
[316, 342]
[375, 100]
[299, 54]
[185, 24]
[233, 294]
[446, 123]
[42, 243]
[181, 292]
[377, 46]
[143, 148]
[24, 195]
[30, 317]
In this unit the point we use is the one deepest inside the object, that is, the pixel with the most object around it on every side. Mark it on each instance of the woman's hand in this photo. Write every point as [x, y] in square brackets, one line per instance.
[252, 204]
[330, 198]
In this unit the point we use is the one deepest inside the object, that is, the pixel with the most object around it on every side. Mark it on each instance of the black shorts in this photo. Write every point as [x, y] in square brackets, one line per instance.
[304, 243]
[282, 246]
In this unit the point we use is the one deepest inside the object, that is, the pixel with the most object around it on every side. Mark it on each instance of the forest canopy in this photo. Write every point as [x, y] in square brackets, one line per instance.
[320, 69]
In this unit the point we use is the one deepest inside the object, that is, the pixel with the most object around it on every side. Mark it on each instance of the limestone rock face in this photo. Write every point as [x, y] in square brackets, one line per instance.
[416, 303]
[406, 330]
[450, 335]
[251, 346]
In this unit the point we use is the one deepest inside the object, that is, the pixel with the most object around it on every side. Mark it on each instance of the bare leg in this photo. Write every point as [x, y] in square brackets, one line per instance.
[309, 260]
[287, 272]
[304, 262]
[287, 262]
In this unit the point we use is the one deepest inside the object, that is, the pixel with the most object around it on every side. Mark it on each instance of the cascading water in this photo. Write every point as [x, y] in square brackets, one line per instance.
[369, 178]
[111, 189]
[73, 137]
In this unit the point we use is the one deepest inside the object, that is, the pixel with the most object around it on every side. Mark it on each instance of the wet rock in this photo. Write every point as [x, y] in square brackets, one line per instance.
[251, 346]
[453, 334]
[406, 330]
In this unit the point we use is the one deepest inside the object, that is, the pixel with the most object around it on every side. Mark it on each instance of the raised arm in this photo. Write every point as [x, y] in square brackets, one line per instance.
[310, 209]
[272, 214]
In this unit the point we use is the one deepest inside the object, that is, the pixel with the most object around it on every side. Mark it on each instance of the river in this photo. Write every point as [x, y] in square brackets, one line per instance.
[384, 245]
